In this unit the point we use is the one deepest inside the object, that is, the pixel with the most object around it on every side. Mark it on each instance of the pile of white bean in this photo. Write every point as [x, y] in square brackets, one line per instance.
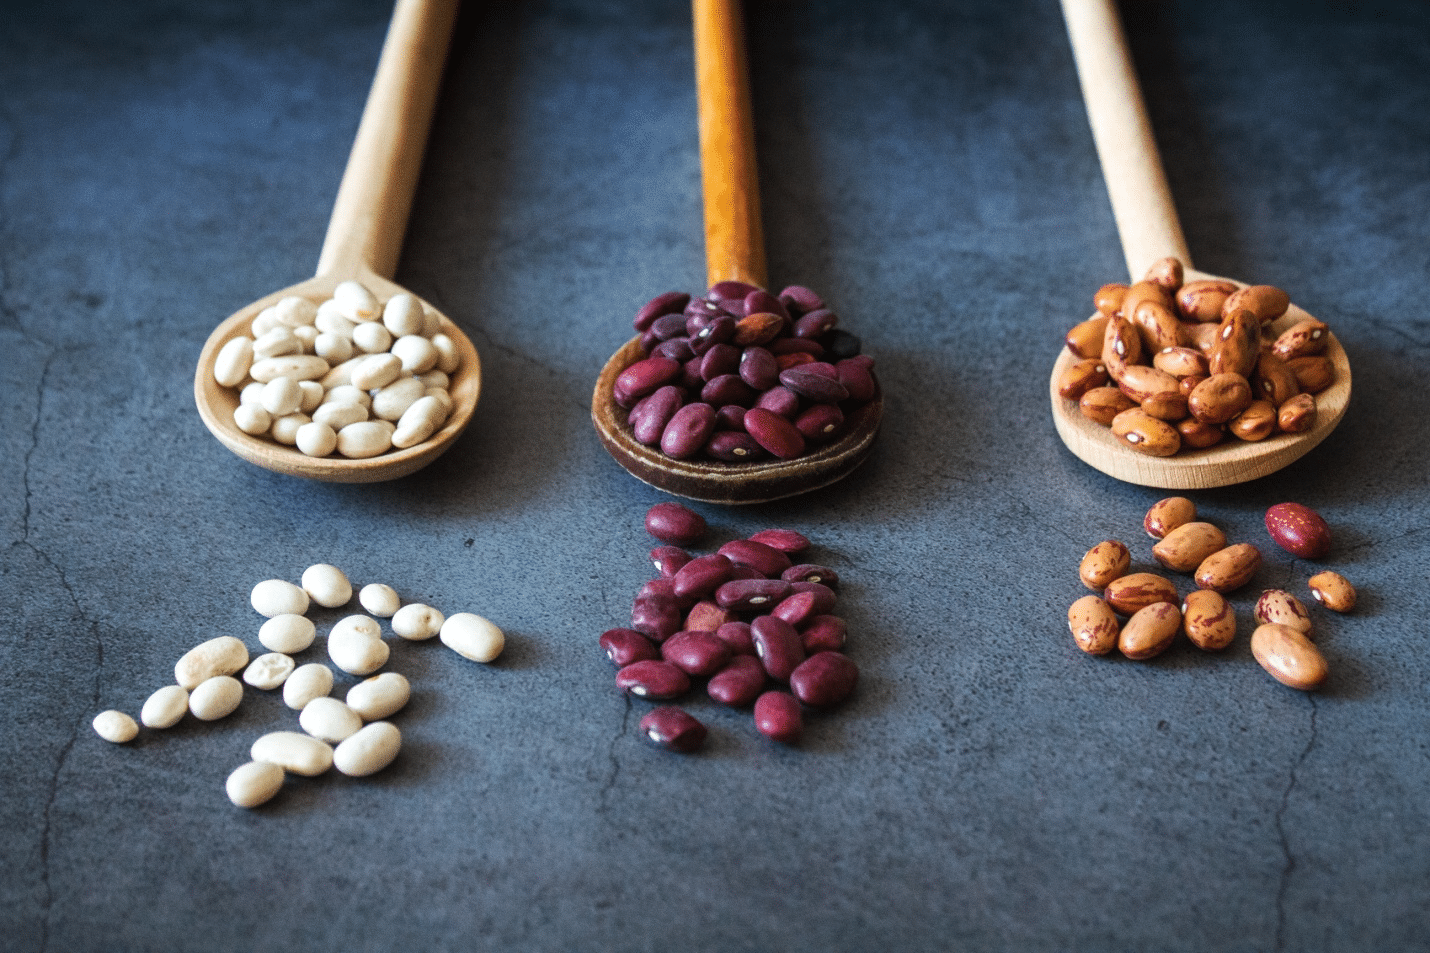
[350, 375]
[350, 734]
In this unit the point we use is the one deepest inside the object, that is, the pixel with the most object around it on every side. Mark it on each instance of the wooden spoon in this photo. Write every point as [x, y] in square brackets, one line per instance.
[734, 251]
[363, 243]
[1148, 227]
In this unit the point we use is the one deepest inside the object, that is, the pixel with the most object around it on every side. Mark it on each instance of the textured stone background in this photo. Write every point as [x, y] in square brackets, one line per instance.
[928, 167]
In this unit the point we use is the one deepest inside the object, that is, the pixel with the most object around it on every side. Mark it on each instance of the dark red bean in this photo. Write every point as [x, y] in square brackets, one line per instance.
[690, 379]
[863, 360]
[809, 572]
[822, 368]
[820, 423]
[739, 683]
[676, 349]
[857, 380]
[696, 653]
[825, 597]
[787, 346]
[650, 417]
[737, 635]
[824, 633]
[826, 678]
[688, 430]
[669, 326]
[778, 716]
[673, 729]
[674, 523]
[785, 540]
[840, 344]
[762, 301]
[695, 323]
[734, 446]
[702, 306]
[801, 299]
[668, 560]
[787, 361]
[728, 389]
[707, 616]
[643, 377]
[766, 560]
[752, 594]
[778, 646]
[648, 340]
[656, 617]
[815, 323]
[773, 432]
[624, 646]
[746, 572]
[730, 417]
[779, 400]
[657, 587]
[672, 302]
[702, 576]
[758, 368]
[653, 678]
[719, 331]
[731, 290]
[720, 359]
[796, 609]
[814, 385]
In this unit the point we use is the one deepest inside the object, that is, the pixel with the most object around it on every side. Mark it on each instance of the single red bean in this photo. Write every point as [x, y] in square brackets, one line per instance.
[746, 572]
[824, 633]
[787, 346]
[825, 595]
[624, 646]
[656, 617]
[739, 683]
[690, 379]
[644, 377]
[779, 400]
[731, 290]
[653, 678]
[674, 523]
[702, 576]
[815, 323]
[696, 653]
[737, 635]
[813, 385]
[785, 540]
[719, 331]
[688, 431]
[857, 379]
[648, 341]
[778, 716]
[720, 359]
[730, 417]
[778, 646]
[760, 300]
[809, 572]
[734, 446]
[668, 326]
[773, 432]
[728, 389]
[766, 560]
[673, 729]
[752, 594]
[702, 306]
[820, 422]
[707, 616]
[695, 323]
[672, 302]
[826, 678]
[668, 560]
[822, 368]
[676, 349]
[801, 299]
[839, 344]
[663, 589]
[797, 608]
[650, 417]
[758, 368]
[787, 361]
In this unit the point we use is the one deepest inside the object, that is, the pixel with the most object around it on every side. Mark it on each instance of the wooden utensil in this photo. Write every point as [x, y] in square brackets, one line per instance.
[363, 242]
[1148, 227]
[734, 251]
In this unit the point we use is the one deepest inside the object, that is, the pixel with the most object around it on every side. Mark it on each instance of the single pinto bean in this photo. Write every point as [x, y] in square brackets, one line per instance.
[1279, 606]
[1199, 435]
[1297, 415]
[1208, 620]
[1333, 591]
[1266, 302]
[1137, 591]
[1108, 299]
[1103, 563]
[1314, 372]
[1166, 273]
[1288, 656]
[1167, 514]
[1093, 625]
[1181, 362]
[1202, 300]
[1184, 548]
[1238, 344]
[1229, 569]
[1301, 340]
[1150, 631]
[1219, 398]
[1256, 422]
[1146, 434]
[1121, 345]
[824, 679]
[1085, 338]
[1103, 404]
[1081, 378]
[1273, 380]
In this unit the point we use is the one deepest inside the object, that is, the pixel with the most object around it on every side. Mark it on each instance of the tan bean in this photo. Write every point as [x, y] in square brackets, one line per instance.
[1081, 378]
[1273, 380]
[1219, 398]
[1302, 339]
[1229, 569]
[1203, 337]
[1282, 608]
[1184, 548]
[1198, 435]
[1159, 326]
[1103, 563]
[1167, 514]
[1085, 338]
[1146, 434]
[1150, 631]
[1314, 372]
[1288, 656]
[1103, 404]
[1188, 384]
[1238, 345]
[1108, 299]
[1266, 302]
[1181, 362]
[1202, 300]
[1165, 273]
[1142, 383]
[1121, 345]
[1333, 591]
[1137, 591]
[1144, 291]
[1297, 415]
[1208, 620]
[1256, 422]
[1093, 625]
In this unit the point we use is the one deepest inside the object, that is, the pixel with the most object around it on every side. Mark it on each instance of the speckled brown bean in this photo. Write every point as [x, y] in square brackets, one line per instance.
[675, 524]
[1150, 631]
[627, 646]
[1238, 345]
[1229, 569]
[778, 716]
[824, 633]
[1137, 591]
[1333, 591]
[1256, 422]
[1289, 657]
[1297, 415]
[1266, 302]
[1184, 548]
[1166, 273]
[1167, 514]
[1219, 398]
[824, 679]
[1121, 345]
[1302, 339]
[1084, 339]
[1159, 326]
[1081, 378]
[1202, 300]
[1093, 625]
[1143, 383]
[1282, 608]
[1198, 435]
[696, 653]
[1140, 293]
[653, 679]
[1146, 434]
[773, 432]
[1208, 620]
[1102, 404]
[777, 645]
[673, 729]
[739, 683]
[1203, 337]
[1103, 563]
[1314, 372]
[1108, 299]
[1181, 362]
[1273, 380]
[766, 560]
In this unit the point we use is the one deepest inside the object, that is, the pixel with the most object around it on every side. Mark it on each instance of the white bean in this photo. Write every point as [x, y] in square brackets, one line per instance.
[295, 311]
[165, 708]
[269, 671]
[215, 698]
[221, 656]
[307, 682]
[327, 585]
[435, 379]
[273, 597]
[281, 396]
[382, 601]
[285, 429]
[115, 726]
[403, 315]
[263, 322]
[380, 696]
[416, 622]
[316, 439]
[392, 401]
[356, 653]
[251, 393]
[471, 636]
[329, 719]
[445, 399]
[432, 325]
[359, 624]
[368, 751]
[293, 751]
[419, 422]
[254, 783]
[376, 370]
[339, 415]
[355, 301]
[367, 438]
[277, 343]
[416, 353]
[342, 373]
[233, 361]
[287, 632]
[333, 348]
[252, 419]
[300, 367]
[330, 320]
[347, 394]
[312, 396]
[308, 337]
[448, 357]
[372, 338]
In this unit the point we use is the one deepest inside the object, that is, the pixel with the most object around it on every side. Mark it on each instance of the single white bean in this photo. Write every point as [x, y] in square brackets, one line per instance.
[265, 321]
[269, 671]
[307, 682]
[342, 374]
[233, 361]
[254, 783]
[287, 632]
[339, 415]
[295, 311]
[416, 622]
[330, 320]
[273, 597]
[312, 396]
[279, 342]
[333, 348]
[435, 379]
[251, 393]
[356, 302]
[115, 726]
[416, 353]
[327, 585]
[282, 396]
[165, 708]
[380, 696]
[300, 367]
[308, 337]
[252, 419]
[441, 396]
[357, 653]
[471, 636]
[369, 751]
[392, 401]
[448, 357]
[316, 439]
[215, 698]
[376, 370]
[372, 338]
[382, 601]
[420, 421]
[347, 394]
[357, 623]
[403, 315]
[293, 751]
[432, 325]
[367, 438]
[285, 429]
[221, 656]
[329, 719]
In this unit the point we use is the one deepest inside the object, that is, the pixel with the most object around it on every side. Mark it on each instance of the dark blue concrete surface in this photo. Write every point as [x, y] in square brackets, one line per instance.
[928, 167]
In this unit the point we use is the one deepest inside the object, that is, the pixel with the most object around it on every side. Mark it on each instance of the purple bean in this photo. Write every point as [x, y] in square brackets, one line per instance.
[644, 377]
[778, 646]
[826, 678]
[797, 608]
[815, 323]
[766, 560]
[673, 729]
[758, 368]
[824, 595]
[786, 541]
[730, 417]
[731, 290]
[653, 679]
[695, 323]
[762, 302]
[676, 349]
[814, 385]
[668, 560]
[696, 653]
[719, 331]
[824, 633]
[752, 594]
[797, 346]
[669, 326]
[739, 683]
[672, 302]
[656, 618]
[773, 432]
[801, 299]
[624, 646]
[688, 430]
[720, 359]
[857, 379]
[702, 576]
[780, 400]
[737, 636]
[809, 572]
[728, 389]
[734, 446]
[690, 379]
[703, 306]
[840, 344]
[649, 418]
[778, 716]
[820, 423]
[674, 523]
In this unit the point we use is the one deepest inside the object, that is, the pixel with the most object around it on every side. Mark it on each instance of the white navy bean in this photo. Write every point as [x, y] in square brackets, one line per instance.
[316, 439]
[417, 354]
[216, 698]
[330, 320]
[265, 321]
[381, 696]
[273, 597]
[293, 751]
[221, 656]
[365, 439]
[431, 324]
[254, 783]
[251, 394]
[379, 599]
[356, 302]
[115, 726]
[287, 632]
[448, 357]
[300, 367]
[312, 396]
[333, 348]
[269, 671]
[307, 336]
[281, 396]
[339, 415]
[369, 751]
[376, 370]
[327, 585]
[165, 708]
[403, 315]
[416, 622]
[392, 401]
[473, 637]
[295, 311]
[329, 719]
[307, 682]
[355, 652]
[347, 394]
[372, 338]
[342, 373]
[285, 429]
[435, 378]
[420, 421]
[233, 361]
[252, 419]
[279, 342]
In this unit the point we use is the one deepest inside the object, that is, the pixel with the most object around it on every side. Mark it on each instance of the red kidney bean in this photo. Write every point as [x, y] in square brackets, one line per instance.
[734, 446]
[728, 389]
[787, 346]
[787, 361]
[695, 323]
[758, 368]
[643, 377]
[778, 716]
[815, 323]
[624, 646]
[688, 431]
[809, 572]
[738, 636]
[668, 560]
[696, 653]
[730, 417]
[814, 385]
[739, 683]
[801, 299]
[747, 595]
[653, 678]
[650, 417]
[825, 595]
[841, 344]
[702, 575]
[773, 432]
[778, 646]
[657, 587]
[785, 540]
[822, 368]
[702, 306]
[798, 608]
[668, 326]
[674, 729]
[648, 341]
[760, 300]
[766, 560]
[672, 302]
[823, 679]
[690, 380]
[820, 423]
[719, 331]
[674, 523]
[823, 633]
[676, 349]
[779, 400]
[656, 617]
[731, 290]
[857, 379]
[707, 616]
[720, 359]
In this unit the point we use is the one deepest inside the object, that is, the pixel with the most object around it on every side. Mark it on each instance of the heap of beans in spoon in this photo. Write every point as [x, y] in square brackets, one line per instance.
[747, 618]
[741, 374]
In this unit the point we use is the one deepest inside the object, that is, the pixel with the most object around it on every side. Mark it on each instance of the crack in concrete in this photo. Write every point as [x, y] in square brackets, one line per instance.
[614, 760]
[1290, 865]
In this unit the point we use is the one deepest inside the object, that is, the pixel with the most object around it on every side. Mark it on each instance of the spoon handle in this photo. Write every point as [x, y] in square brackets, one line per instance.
[1141, 201]
[375, 198]
[734, 235]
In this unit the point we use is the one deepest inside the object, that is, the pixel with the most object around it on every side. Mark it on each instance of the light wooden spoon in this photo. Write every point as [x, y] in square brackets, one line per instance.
[363, 242]
[734, 251]
[1148, 227]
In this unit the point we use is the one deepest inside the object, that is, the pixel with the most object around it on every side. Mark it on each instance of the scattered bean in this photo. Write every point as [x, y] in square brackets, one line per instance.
[380, 600]
[1333, 591]
[221, 656]
[1130, 593]
[287, 633]
[329, 719]
[327, 585]
[1299, 530]
[115, 726]
[1282, 608]
[165, 708]
[215, 698]
[381, 696]
[254, 783]
[1167, 514]
[269, 671]
[778, 716]
[472, 637]
[1150, 631]
[293, 751]
[278, 597]
[416, 622]
[307, 682]
[675, 524]
[1093, 625]
[1288, 656]
[824, 679]
[1184, 548]
[673, 729]
[1229, 569]
[1104, 563]
[1208, 620]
